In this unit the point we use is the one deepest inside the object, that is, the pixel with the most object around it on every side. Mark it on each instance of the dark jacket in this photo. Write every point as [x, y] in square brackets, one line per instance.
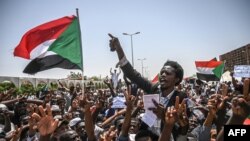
[151, 88]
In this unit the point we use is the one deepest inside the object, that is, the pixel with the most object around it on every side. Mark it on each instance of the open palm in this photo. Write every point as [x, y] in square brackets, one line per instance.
[46, 123]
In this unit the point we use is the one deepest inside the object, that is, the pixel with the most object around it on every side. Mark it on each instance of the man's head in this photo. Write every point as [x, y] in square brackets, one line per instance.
[145, 135]
[80, 129]
[171, 74]
[61, 102]
[70, 135]
[55, 110]
[134, 126]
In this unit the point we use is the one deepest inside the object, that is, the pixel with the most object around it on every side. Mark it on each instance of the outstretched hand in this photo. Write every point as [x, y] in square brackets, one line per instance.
[246, 91]
[181, 111]
[46, 123]
[171, 116]
[113, 42]
[158, 110]
[130, 99]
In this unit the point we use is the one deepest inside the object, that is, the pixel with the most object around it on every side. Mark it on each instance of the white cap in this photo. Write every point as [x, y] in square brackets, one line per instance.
[74, 121]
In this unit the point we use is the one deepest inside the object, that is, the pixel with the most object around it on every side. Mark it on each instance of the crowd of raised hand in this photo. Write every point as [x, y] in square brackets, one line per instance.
[186, 110]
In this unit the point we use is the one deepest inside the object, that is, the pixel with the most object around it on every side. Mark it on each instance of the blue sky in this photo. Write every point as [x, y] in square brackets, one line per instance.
[180, 30]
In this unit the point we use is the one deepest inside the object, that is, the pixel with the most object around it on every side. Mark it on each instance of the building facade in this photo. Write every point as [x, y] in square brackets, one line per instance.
[18, 81]
[239, 56]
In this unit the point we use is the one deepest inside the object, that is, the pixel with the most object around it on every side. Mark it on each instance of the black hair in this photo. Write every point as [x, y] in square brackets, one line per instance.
[67, 135]
[146, 133]
[179, 72]
[118, 122]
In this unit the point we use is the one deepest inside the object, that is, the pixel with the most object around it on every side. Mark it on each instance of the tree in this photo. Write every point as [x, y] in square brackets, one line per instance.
[95, 78]
[27, 88]
[6, 85]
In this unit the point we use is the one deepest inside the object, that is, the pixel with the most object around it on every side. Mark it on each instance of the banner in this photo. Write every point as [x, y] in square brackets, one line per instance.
[119, 102]
[242, 71]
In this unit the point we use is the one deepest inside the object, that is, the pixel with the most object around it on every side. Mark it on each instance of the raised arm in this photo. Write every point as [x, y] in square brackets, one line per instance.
[127, 120]
[116, 46]
[170, 119]
[127, 68]
[110, 71]
[119, 71]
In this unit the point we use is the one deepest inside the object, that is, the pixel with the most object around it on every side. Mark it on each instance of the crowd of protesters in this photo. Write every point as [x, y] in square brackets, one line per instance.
[187, 110]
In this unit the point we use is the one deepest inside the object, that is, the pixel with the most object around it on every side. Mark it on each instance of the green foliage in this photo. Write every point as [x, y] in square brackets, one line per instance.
[95, 78]
[40, 86]
[27, 88]
[6, 86]
[53, 86]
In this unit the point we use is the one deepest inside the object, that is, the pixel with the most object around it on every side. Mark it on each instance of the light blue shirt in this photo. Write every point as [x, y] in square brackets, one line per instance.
[164, 100]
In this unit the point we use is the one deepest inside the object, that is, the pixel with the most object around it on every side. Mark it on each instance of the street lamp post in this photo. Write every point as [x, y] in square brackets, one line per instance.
[131, 37]
[142, 65]
[146, 72]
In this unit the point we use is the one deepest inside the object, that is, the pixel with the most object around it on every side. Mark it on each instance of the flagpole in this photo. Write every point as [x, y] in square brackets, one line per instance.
[78, 19]
[222, 70]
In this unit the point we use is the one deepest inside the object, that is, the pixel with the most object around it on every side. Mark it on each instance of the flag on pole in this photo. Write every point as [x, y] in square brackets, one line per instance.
[156, 79]
[55, 44]
[209, 70]
[214, 59]
[247, 121]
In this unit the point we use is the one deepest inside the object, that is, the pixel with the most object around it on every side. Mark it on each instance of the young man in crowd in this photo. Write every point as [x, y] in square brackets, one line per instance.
[171, 75]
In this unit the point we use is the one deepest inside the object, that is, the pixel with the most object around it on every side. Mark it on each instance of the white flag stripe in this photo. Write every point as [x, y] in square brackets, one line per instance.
[47, 53]
[205, 70]
[41, 49]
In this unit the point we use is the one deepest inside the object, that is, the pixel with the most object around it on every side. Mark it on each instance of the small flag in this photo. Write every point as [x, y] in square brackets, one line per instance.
[209, 70]
[156, 79]
[247, 121]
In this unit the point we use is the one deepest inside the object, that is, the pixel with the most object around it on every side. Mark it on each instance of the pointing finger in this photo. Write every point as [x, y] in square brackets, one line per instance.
[155, 103]
[111, 36]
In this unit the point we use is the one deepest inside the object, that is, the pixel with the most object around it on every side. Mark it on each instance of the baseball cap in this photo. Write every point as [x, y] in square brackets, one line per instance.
[74, 121]
[55, 108]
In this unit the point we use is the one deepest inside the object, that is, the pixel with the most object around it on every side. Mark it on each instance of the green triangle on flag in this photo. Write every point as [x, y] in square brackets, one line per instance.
[68, 45]
[218, 71]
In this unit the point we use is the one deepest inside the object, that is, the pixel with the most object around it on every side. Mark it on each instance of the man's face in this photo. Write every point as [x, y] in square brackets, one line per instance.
[70, 135]
[62, 104]
[134, 127]
[213, 133]
[80, 129]
[60, 130]
[167, 77]
[47, 98]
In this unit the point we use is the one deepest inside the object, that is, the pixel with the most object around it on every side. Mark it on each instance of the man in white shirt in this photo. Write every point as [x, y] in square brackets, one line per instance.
[114, 78]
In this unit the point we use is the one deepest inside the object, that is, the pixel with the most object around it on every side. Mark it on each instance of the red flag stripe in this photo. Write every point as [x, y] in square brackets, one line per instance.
[156, 79]
[207, 64]
[40, 34]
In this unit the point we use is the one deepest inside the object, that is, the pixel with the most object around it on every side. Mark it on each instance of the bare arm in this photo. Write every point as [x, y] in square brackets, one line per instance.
[170, 119]
[108, 83]
[89, 124]
[107, 121]
[111, 71]
[127, 120]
